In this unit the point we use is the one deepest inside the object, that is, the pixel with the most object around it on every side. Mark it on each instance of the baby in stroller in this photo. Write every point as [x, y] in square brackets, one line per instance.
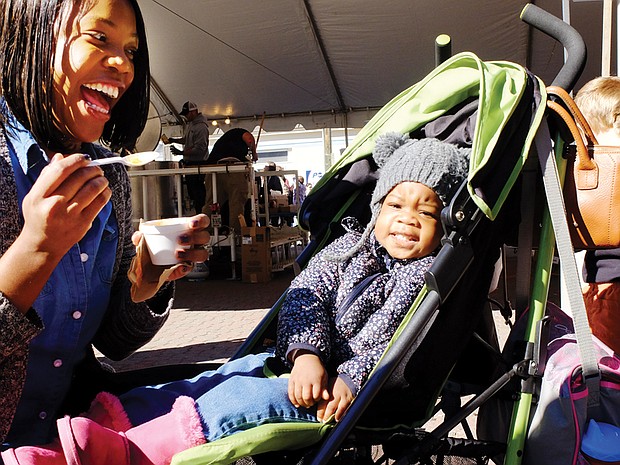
[334, 325]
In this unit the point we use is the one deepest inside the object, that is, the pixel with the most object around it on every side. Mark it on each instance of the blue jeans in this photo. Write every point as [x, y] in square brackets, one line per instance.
[233, 398]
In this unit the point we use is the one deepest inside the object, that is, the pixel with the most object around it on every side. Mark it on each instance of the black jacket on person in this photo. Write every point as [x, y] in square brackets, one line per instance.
[231, 144]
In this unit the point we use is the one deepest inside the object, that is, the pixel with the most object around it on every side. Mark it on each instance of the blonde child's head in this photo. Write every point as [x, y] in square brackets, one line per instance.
[599, 101]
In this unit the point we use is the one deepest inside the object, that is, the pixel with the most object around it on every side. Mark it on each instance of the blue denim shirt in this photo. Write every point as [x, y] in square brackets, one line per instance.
[71, 305]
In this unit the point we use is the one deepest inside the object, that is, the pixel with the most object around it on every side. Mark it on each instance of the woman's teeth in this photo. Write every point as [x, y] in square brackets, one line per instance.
[106, 89]
[97, 108]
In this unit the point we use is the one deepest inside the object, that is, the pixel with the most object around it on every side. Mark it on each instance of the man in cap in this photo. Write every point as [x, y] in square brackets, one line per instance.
[195, 151]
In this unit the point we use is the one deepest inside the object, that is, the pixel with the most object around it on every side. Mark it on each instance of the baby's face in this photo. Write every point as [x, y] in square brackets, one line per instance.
[409, 224]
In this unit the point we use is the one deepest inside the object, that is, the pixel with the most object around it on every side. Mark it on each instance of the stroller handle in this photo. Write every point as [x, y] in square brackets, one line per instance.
[567, 36]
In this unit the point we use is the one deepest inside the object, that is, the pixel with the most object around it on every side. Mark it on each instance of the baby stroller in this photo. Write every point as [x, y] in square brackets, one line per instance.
[446, 346]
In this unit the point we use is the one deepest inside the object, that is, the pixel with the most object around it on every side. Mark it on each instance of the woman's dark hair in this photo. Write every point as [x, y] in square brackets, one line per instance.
[28, 34]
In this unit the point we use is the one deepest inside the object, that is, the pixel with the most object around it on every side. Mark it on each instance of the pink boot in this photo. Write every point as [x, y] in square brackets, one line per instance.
[84, 442]
[108, 411]
[50, 454]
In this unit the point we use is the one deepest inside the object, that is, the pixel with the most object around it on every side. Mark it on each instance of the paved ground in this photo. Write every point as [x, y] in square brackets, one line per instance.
[209, 321]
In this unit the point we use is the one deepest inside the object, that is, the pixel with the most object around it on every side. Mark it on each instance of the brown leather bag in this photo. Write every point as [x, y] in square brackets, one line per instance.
[592, 184]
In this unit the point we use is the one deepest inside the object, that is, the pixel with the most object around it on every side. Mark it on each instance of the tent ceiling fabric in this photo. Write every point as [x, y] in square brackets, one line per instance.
[326, 63]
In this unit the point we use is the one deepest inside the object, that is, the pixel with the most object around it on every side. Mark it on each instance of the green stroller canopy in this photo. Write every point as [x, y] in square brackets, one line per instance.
[499, 87]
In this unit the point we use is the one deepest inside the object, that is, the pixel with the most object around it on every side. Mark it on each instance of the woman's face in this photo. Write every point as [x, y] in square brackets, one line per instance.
[93, 68]
[409, 223]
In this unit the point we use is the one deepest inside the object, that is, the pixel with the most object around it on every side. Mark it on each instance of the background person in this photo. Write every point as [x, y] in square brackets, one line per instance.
[195, 151]
[236, 145]
[274, 186]
[599, 101]
[329, 343]
[66, 227]
[300, 193]
[288, 189]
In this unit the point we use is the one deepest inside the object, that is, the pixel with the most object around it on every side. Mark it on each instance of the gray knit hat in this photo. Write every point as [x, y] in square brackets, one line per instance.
[438, 165]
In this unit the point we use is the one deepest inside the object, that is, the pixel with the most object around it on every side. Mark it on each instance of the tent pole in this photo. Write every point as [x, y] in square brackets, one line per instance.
[328, 159]
[607, 37]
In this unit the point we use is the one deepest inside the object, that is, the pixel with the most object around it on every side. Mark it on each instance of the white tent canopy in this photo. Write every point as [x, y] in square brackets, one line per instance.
[331, 63]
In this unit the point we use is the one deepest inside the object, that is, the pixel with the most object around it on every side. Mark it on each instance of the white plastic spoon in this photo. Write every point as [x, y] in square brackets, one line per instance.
[133, 159]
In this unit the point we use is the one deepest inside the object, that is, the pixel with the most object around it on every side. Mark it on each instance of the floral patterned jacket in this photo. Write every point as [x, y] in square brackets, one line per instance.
[349, 332]
[127, 325]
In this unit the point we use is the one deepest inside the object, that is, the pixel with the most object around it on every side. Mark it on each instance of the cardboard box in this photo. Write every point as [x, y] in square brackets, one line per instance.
[255, 254]
[281, 200]
[289, 209]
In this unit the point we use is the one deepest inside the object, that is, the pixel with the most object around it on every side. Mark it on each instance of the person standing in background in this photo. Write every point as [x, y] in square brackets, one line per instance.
[300, 192]
[599, 101]
[274, 187]
[236, 145]
[195, 151]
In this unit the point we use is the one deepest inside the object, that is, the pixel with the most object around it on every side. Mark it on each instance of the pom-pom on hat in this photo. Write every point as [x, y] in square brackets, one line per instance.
[438, 165]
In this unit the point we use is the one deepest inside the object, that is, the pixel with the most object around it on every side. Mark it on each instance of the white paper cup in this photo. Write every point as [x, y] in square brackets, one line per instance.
[161, 238]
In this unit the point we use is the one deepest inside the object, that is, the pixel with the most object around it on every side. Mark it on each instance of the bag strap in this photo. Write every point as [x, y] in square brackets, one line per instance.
[585, 172]
[570, 274]
[574, 110]
[585, 166]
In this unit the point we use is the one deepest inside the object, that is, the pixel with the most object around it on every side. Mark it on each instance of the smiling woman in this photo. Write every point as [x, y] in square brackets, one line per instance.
[93, 67]
[90, 34]
[72, 72]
